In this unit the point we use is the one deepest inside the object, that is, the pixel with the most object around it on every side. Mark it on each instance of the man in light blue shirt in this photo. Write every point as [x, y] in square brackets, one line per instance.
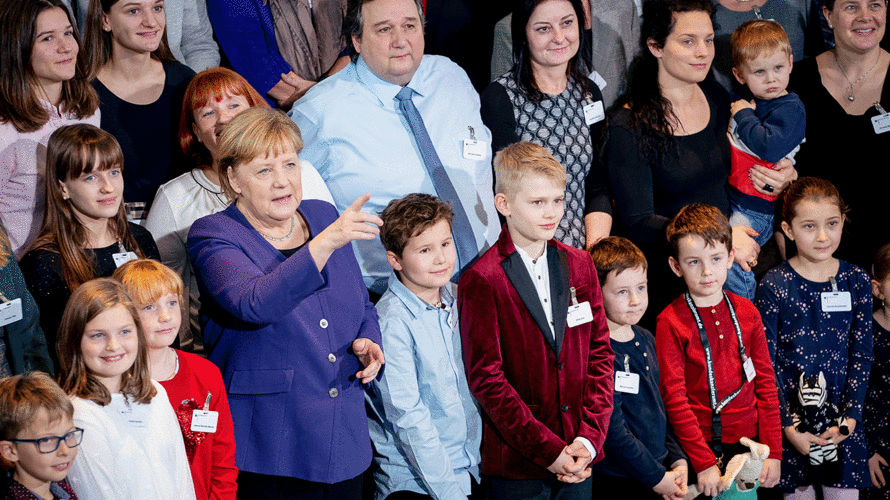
[360, 141]
[425, 425]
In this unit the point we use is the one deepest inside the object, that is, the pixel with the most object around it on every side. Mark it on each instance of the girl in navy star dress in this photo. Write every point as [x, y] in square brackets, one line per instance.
[876, 418]
[817, 314]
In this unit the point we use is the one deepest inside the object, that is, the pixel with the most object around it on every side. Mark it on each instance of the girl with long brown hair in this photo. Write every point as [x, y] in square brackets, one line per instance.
[85, 233]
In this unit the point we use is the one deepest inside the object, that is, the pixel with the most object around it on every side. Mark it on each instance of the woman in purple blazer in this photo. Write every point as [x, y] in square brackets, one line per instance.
[287, 318]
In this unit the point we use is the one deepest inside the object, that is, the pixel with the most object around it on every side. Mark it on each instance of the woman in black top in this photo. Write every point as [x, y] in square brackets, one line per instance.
[85, 233]
[547, 99]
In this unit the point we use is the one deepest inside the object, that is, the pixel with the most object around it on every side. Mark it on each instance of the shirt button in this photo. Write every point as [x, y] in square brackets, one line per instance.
[323, 323]
[333, 393]
[716, 323]
[565, 408]
[332, 358]
[721, 336]
[645, 354]
[636, 343]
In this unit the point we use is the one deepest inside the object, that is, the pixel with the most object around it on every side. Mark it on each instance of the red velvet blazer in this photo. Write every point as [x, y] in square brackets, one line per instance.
[537, 393]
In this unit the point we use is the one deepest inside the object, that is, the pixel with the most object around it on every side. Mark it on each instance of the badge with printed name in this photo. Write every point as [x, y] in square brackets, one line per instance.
[10, 312]
[123, 257]
[131, 418]
[594, 113]
[474, 150]
[579, 314]
[836, 301]
[204, 421]
[627, 382]
[750, 372]
[881, 123]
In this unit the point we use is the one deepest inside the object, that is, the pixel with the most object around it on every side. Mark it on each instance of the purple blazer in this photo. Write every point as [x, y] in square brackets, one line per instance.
[281, 333]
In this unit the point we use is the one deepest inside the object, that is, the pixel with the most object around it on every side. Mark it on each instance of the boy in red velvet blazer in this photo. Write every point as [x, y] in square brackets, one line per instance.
[535, 340]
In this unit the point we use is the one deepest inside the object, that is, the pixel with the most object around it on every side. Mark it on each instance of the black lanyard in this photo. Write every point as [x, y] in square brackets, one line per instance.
[717, 406]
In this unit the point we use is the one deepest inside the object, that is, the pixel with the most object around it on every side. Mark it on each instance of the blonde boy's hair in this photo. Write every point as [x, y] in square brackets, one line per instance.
[757, 38]
[22, 397]
[518, 160]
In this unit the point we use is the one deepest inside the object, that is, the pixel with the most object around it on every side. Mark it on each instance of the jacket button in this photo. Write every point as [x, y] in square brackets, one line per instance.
[559, 366]
[323, 323]
[332, 358]
[565, 408]
[333, 393]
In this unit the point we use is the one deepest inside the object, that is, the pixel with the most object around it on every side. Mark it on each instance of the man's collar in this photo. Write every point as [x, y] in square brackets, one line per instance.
[415, 305]
[384, 90]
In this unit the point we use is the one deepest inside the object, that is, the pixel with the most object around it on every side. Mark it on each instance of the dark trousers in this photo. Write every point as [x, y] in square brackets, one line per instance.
[253, 486]
[608, 487]
[537, 489]
[476, 494]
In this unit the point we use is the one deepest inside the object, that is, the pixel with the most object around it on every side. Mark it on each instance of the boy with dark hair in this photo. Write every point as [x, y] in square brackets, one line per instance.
[423, 421]
[37, 435]
[717, 381]
[536, 340]
[643, 459]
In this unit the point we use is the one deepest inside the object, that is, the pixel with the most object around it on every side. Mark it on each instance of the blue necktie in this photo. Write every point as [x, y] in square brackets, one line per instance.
[462, 231]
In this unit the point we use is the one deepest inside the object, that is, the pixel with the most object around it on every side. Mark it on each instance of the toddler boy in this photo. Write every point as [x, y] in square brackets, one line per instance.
[37, 435]
[762, 131]
[536, 340]
[640, 443]
[717, 381]
[424, 424]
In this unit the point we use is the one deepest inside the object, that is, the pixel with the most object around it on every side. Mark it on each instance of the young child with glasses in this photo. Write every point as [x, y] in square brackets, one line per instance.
[37, 436]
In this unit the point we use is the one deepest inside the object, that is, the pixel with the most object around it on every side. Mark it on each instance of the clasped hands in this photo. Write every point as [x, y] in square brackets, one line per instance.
[571, 466]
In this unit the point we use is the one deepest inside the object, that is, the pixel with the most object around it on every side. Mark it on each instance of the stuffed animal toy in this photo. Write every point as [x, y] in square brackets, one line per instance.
[742, 473]
[816, 415]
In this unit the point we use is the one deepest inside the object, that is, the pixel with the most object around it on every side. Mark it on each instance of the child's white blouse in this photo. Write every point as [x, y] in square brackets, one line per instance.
[130, 451]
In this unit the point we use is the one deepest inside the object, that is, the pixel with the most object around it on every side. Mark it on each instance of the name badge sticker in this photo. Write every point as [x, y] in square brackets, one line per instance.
[750, 372]
[10, 312]
[474, 150]
[881, 123]
[579, 314]
[131, 418]
[204, 421]
[836, 301]
[123, 257]
[594, 113]
[627, 382]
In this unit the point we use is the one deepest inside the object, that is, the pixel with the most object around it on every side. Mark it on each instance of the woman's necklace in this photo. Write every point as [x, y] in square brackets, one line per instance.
[171, 366]
[293, 225]
[851, 98]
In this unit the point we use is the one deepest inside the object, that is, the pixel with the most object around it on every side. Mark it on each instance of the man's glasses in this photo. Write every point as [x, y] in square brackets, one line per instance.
[50, 444]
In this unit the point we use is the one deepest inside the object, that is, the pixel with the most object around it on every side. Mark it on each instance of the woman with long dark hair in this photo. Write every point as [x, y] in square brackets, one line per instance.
[547, 99]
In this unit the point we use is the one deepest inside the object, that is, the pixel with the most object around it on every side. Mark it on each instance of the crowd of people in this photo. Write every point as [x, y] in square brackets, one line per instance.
[330, 268]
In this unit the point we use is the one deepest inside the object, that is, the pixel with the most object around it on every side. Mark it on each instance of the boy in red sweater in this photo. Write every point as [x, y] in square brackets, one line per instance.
[717, 381]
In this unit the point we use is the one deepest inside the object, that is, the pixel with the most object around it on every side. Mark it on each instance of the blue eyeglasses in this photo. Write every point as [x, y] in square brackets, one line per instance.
[50, 444]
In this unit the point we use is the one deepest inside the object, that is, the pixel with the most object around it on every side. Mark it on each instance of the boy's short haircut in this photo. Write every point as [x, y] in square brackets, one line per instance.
[757, 38]
[616, 254]
[407, 217]
[517, 160]
[702, 220]
[22, 397]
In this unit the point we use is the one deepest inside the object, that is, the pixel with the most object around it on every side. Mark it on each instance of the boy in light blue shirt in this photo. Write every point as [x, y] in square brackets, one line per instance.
[425, 425]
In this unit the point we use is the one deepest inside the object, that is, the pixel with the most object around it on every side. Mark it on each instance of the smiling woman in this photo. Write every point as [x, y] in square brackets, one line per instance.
[44, 87]
[85, 233]
[547, 99]
[140, 86]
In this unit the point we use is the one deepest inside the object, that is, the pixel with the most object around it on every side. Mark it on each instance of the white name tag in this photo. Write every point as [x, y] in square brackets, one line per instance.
[836, 301]
[474, 150]
[881, 123]
[750, 372]
[132, 419]
[123, 257]
[204, 421]
[10, 312]
[579, 314]
[594, 113]
[627, 382]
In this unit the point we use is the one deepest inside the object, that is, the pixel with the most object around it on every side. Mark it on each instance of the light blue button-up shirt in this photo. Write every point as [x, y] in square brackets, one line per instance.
[360, 142]
[425, 425]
